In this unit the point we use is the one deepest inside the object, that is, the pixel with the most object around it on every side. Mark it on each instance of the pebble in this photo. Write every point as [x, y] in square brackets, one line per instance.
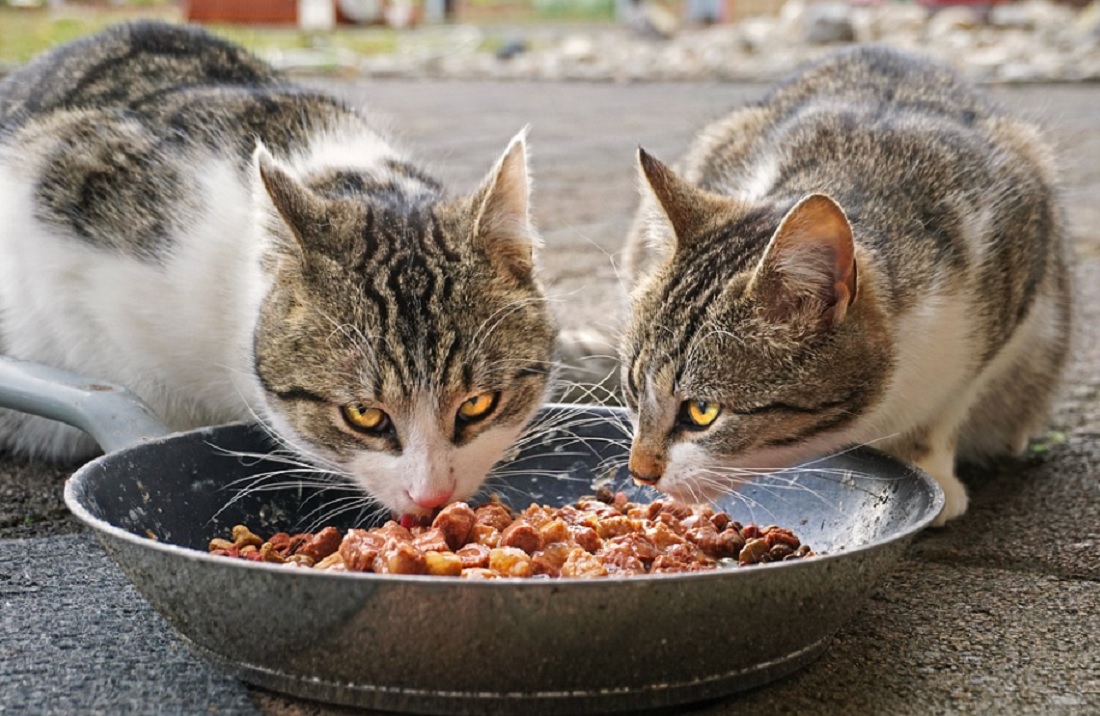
[1031, 41]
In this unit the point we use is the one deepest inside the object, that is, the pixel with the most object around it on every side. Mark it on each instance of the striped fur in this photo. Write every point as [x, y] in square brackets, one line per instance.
[873, 253]
[178, 218]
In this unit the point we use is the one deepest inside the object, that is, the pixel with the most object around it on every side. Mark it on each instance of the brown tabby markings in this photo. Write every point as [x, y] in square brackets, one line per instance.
[180, 219]
[871, 254]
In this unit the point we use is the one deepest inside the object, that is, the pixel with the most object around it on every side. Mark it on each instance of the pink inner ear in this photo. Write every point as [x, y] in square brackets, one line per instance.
[814, 255]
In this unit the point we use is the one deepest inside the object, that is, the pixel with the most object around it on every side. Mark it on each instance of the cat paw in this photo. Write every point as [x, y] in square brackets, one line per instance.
[955, 499]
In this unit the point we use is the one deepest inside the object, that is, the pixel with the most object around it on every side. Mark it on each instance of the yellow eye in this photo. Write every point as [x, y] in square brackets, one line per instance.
[700, 413]
[477, 407]
[364, 418]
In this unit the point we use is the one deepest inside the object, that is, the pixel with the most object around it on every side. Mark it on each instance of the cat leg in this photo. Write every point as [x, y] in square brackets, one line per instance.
[1018, 388]
[933, 451]
[939, 462]
[1003, 419]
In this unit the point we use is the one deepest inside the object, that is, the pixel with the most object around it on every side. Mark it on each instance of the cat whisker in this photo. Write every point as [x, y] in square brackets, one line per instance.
[362, 504]
[264, 482]
[329, 507]
[724, 489]
[485, 329]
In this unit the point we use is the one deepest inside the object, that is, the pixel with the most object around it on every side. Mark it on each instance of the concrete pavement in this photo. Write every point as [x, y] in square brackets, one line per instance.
[998, 613]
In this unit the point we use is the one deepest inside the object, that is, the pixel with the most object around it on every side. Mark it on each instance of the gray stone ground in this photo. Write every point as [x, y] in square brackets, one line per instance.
[997, 613]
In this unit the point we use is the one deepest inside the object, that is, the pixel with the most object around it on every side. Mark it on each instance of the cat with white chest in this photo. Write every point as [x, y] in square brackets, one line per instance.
[872, 254]
[177, 218]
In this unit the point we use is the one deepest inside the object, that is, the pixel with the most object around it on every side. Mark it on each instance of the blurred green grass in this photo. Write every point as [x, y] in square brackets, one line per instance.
[28, 31]
[25, 33]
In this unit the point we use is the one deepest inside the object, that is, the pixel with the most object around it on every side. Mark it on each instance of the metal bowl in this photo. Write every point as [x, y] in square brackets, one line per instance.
[447, 646]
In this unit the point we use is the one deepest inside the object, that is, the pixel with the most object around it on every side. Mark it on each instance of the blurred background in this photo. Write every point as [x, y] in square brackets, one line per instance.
[599, 40]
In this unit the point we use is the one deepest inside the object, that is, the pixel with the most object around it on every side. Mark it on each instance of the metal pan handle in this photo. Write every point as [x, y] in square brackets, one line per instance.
[112, 415]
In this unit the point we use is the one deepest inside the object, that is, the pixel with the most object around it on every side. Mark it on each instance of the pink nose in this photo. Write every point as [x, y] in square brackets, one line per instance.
[431, 500]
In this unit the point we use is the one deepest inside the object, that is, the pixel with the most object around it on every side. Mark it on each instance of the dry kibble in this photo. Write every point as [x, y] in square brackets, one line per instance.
[777, 535]
[243, 537]
[594, 537]
[780, 551]
[218, 543]
[754, 549]
[268, 553]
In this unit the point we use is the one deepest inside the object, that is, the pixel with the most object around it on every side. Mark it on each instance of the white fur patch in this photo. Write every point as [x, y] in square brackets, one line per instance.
[176, 335]
[760, 183]
[355, 148]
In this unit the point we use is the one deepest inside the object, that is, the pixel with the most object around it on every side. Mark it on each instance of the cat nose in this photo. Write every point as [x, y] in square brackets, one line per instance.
[430, 499]
[646, 469]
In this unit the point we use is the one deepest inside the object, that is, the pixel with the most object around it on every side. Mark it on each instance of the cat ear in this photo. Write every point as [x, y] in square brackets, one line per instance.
[688, 209]
[809, 266]
[299, 208]
[502, 221]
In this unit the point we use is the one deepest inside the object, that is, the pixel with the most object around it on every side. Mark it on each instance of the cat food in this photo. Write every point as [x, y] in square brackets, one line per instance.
[598, 536]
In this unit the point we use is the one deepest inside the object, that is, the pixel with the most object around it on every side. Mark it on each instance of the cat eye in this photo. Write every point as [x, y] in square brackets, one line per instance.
[371, 420]
[477, 407]
[698, 413]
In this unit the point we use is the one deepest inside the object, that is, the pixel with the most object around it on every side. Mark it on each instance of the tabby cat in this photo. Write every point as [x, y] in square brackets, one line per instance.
[178, 218]
[872, 254]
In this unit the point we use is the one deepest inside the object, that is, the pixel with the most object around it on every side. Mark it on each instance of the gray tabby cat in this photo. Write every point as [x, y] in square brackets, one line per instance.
[177, 218]
[873, 253]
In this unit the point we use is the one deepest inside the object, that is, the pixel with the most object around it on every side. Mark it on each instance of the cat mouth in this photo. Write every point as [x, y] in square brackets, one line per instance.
[408, 520]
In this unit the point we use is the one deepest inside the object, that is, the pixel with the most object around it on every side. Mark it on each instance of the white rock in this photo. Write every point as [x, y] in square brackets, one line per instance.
[578, 48]
[827, 23]
[1030, 15]
[950, 20]
[756, 33]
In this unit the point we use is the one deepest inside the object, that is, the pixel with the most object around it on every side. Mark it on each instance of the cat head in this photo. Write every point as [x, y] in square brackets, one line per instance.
[754, 343]
[404, 341]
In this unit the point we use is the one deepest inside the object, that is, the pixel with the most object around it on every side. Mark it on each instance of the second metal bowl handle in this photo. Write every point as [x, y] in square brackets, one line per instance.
[112, 415]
